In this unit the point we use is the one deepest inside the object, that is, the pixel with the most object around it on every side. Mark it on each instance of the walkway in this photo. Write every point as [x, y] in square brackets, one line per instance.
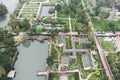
[41, 73]
[103, 59]
[70, 27]
[63, 74]
[89, 76]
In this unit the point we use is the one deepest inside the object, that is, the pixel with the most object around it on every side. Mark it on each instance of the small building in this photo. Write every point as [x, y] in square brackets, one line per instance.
[11, 74]
[65, 60]
[61, 40]
[87, 60]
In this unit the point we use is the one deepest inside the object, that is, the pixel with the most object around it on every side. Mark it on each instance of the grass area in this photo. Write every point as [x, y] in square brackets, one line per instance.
[32, 5]
[78, 46]
[74, 26]
[100, 74]
[28, 15]
[53, 77]
[61, 15]
[54, 52]
[114, 59]
[68, 43]
[107, 45]
[30, 10]
[103, 25]
[73, 76]
[98, 60]
[84, 72]
[60, 50]
[1, 43]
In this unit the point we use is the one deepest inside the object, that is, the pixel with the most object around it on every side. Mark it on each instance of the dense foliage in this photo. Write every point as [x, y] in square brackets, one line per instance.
[3, 10]
[19, 25]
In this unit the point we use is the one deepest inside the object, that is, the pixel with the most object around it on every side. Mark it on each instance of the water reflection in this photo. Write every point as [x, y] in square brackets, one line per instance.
[11, 5]
[30, 60]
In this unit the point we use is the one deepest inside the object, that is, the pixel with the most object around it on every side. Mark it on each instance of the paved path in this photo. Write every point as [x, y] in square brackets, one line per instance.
[70, 27]
[65, 18]
[89, 76]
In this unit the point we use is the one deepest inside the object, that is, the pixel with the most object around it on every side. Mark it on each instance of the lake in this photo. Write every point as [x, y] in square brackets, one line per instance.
[32, 58]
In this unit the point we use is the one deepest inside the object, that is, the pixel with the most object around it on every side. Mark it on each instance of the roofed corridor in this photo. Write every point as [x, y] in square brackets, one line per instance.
[63, 75]
[86, 56]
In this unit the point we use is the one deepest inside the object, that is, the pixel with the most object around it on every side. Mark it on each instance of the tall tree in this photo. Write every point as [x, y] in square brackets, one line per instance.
[50, 61]
[58, 7]
[3, 10]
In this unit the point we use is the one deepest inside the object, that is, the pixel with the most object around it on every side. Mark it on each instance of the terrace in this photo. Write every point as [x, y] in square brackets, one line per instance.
[29, 10]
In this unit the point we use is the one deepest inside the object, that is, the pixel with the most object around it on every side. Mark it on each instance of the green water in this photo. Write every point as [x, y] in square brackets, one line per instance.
[32, 58]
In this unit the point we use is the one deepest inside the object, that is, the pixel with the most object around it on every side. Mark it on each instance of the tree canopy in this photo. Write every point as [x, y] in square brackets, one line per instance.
[58, 7]
[50, 61]
[3, 10]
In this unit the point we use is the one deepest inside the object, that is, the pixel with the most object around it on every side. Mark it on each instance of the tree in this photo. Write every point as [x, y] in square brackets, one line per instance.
[82, 18]
[65, 29]
[38, 31]
[112, 27]
[51, 11]
[58, 7]
[3, 10]
[19, 24]
[24, 24]
[50, 61]
[8, 41]
[53, 32]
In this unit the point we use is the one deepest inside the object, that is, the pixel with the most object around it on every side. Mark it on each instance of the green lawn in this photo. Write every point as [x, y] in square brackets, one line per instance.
[84, 72]
[74, 26]
[68, 43]
[54, 52]
[28, 15]
[102, 74]
[78, 46]
[30, 10]
[107, 45]
[113, 58]
[73, 77]
[53, 77]
[102, 25]
[61, 15]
